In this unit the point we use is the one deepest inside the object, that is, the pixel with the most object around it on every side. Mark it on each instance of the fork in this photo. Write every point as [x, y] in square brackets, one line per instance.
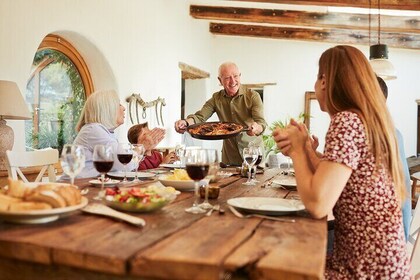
[214, 208]
[240, 215]
[100, 209]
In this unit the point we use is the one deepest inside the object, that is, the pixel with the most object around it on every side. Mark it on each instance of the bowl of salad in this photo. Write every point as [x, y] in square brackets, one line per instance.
[137, 199]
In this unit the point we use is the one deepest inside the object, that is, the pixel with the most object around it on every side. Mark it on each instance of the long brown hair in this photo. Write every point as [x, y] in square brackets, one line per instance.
[351, 85]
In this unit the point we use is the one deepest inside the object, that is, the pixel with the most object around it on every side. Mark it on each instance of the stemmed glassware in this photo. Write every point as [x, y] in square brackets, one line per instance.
[125, 155]
[72, 160]
[138, 155]
[197, 165]
[250, 155]
[179, 151]
[103, 160]
[259, 159]
[213, 167]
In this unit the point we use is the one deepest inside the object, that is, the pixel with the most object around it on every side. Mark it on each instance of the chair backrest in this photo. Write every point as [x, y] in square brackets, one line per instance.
[44, 158]
[414, 240]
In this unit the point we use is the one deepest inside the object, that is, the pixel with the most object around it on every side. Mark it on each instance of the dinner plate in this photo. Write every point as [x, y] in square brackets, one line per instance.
[131, 174]
[181, 185]
[172, 165]
[267, 205]
[109, 182]
[287, 181]
[41, 216]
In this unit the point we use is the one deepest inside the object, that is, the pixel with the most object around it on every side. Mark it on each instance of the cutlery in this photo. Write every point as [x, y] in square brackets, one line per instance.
[100, 209]
[84, 191]
[215, 207]
[240, 215]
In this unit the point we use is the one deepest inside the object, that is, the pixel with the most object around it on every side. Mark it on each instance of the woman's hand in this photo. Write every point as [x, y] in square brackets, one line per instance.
[292, 138]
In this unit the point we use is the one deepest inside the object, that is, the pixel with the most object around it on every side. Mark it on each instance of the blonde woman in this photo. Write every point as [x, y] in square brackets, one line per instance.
[100, 116]
[359, 177]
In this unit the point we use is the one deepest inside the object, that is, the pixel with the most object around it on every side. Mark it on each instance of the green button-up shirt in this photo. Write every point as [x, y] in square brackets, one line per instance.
[244, 108]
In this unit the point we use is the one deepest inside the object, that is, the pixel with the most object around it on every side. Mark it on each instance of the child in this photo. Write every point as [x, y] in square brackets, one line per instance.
[141, 134]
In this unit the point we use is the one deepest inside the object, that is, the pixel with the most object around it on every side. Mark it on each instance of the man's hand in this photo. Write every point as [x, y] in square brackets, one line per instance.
[254, 129]
[181, 126]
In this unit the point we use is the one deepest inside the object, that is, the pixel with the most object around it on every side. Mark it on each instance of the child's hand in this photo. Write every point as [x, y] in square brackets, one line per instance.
[169, 158]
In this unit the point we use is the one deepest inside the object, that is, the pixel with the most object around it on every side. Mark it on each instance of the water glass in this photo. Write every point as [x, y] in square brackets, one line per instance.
[250, 156]
[72, 160]
[138, 156]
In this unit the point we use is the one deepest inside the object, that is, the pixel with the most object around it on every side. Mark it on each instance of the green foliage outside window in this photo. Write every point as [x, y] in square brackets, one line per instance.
[269, 143]
[61, 99]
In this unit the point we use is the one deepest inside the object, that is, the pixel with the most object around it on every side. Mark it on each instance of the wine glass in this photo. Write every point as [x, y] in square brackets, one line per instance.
[250, 156]
[259, 159]
[124, 155]
[138, 155]
[179, 151]
[103, 160]
[197, 165]
[72, 160]
[213, 167]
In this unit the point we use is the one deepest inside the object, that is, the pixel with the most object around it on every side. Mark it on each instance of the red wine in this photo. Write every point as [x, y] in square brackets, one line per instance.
[250, 159]
[197, 171]
[259, 159]
[125, 158]
[103, 166]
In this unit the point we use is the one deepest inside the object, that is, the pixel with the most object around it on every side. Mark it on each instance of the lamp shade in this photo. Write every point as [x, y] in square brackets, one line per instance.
[379, 61]
[12, 104]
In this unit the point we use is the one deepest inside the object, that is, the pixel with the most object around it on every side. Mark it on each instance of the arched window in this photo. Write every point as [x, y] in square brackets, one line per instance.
[56, 90]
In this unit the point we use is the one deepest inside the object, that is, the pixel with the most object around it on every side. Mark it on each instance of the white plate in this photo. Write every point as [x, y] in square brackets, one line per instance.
[287, 181]
[131, 174]
[172, 165]
[107, 182]
[181, 185]
[267, 205]
[41, 216]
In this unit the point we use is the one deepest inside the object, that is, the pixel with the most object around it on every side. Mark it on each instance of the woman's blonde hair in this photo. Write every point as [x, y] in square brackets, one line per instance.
[100, 107]
[351, 85]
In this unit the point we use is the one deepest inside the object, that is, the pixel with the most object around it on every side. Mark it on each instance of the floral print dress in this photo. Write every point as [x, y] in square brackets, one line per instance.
[368, 235]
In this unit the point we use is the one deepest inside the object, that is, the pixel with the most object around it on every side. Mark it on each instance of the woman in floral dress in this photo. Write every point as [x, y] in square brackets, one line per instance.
[359, 177]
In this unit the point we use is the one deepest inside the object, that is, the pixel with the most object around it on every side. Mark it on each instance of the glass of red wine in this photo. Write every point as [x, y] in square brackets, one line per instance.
[125, 155]
[197, 165]
[250, 155]
[103, 160]
[259, 159]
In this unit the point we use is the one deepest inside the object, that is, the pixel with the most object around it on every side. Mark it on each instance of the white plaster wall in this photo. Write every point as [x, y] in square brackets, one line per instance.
[135, 46]
[293, 65]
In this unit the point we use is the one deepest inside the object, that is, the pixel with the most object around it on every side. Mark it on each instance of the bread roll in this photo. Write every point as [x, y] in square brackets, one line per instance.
[47, 196]
[6, 201]
[27, 205]
[17, 188]
[70, 194]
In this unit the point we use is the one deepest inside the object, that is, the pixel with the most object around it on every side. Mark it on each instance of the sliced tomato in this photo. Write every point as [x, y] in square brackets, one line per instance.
[136, 192]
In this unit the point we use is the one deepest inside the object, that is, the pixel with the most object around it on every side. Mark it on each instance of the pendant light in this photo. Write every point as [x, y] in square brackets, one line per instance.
[378, 54]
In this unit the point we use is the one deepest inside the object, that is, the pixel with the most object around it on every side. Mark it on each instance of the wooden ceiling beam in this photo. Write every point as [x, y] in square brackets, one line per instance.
[337, 36]
[413, 5]
[302, 18]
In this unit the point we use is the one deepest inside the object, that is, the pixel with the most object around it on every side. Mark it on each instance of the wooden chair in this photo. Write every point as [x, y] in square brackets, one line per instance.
[414, 178]
[413, 243]
[41, 158]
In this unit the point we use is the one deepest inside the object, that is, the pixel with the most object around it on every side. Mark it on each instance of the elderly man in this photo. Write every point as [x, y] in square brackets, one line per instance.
[234, 103]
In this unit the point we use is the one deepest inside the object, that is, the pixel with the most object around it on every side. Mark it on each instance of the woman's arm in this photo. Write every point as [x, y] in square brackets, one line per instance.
[320, 183]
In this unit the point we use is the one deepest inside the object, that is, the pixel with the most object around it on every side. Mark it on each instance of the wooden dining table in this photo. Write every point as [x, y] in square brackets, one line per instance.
[173, 244]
